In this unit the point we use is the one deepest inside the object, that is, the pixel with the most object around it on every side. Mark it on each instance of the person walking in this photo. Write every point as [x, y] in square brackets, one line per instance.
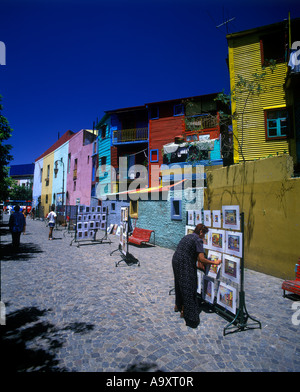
[51, 216]
[16, 226]
[189, 256]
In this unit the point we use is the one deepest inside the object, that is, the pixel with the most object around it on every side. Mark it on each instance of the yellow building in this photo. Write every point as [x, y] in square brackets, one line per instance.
[261, 126]
[47, 177]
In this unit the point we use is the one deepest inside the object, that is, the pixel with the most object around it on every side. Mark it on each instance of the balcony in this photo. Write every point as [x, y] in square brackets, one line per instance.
[130, 135]
[201, 122]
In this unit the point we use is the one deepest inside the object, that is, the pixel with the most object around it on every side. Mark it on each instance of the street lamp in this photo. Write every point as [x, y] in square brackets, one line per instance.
[63, 177]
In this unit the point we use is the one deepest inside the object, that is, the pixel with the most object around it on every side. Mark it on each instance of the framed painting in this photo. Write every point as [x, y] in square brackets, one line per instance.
[189, 229]
[231, 268]
[198, 217]
[216, 218]
[190, 218]
[234, 243]
[217, 240]
[206, 240]
[213, 270]
[207, 218]
[81, 209]
[125, 227]
[208, 289]
[110, 228]
[226, 297]
[231, 217]
[91, 224]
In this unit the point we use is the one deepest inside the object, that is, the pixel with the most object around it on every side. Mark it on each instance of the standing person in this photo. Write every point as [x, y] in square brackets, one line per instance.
[51, 216]
[189, 256]
[24, 212]
[16, 226]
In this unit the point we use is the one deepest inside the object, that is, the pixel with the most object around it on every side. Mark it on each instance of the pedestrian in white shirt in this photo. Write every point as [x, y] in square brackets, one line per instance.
[51, 216]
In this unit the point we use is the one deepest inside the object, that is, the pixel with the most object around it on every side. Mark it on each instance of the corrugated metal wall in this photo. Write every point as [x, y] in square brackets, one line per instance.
[245, 60]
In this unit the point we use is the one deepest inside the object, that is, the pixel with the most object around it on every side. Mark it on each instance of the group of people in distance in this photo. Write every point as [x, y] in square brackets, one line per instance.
[17, 225]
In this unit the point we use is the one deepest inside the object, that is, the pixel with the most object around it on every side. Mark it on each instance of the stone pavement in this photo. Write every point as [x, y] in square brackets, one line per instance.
[71, 309]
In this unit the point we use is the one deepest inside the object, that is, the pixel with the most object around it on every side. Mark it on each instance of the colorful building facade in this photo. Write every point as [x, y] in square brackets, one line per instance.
[79, 167]
[258, 65]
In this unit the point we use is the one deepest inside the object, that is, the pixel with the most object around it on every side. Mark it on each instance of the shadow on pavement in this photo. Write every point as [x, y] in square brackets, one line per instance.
[29, 344]
[24, 252]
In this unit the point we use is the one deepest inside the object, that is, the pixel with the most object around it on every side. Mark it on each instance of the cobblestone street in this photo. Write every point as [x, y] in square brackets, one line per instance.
[71, 309]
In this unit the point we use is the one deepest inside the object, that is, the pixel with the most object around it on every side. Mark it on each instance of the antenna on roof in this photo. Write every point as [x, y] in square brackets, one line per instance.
[226, 23]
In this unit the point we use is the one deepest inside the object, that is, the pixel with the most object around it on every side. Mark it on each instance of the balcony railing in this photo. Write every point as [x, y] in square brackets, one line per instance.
[199, 122]
[130, 135]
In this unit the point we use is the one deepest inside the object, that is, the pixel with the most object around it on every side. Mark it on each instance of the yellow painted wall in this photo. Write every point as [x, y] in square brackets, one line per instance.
[47, 189]
[245, 60]
[269, 198]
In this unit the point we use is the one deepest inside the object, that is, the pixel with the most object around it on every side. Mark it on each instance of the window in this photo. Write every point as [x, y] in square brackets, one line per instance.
[273, 47]
[46, 201]
[178, 110]
[69, 163]
[175, 209]
[103, 164]
[154, 155]
[74, 186]
[41, 174]
[154, 113]
[103, 132]
[276, 124]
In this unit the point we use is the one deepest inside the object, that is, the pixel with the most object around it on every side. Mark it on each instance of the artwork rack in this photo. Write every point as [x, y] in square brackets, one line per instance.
[123, 246]
[240, 320]
[99, 223]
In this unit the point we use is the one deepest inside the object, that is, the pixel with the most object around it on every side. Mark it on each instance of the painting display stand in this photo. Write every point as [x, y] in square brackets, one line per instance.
[88, 222]
[240, 321]
[123, 246]
[221, 288]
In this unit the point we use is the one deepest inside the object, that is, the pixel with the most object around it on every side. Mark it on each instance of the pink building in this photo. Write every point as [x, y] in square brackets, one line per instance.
[79, 167]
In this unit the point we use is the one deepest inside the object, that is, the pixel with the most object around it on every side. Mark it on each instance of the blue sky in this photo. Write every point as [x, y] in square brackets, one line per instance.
[68, 61]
